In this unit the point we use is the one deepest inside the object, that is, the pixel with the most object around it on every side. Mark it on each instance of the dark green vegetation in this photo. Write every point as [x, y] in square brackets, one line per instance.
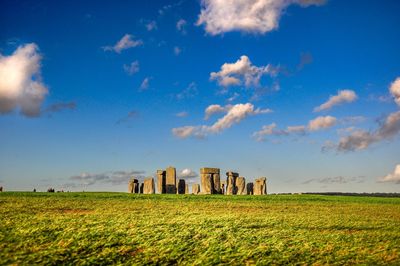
[107, 228]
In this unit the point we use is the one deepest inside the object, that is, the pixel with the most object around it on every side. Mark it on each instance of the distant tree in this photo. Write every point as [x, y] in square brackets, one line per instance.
[50, 190]
[34, 190]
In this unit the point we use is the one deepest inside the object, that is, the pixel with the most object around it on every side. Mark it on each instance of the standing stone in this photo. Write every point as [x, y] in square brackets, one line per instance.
[170, 180]
[1, 189]
[195, 189]
[231, 183]
[148, 186]
[161, 181]
[187, 189]
[223, 187]
[217, 183]
[241, 186]
[250, 188]
[181, 186]
[141, 188]
[133, 186]
[206, 183]
[260, 186]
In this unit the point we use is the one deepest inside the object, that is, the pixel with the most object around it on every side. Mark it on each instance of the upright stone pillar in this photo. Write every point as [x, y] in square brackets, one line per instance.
[187, 189]
[241, 186]
[161, 181]
[141, 188]
[223, 185]
[231, 183]
[148, 187]
[133, 186]
[260, 186]
[170, 180]
[181, 186]
[206, 184]
[250, 187]
[217, 183]
[195, 189]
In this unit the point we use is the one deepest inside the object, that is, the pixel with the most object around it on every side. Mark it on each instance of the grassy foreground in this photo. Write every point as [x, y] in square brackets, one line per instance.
[115, 228]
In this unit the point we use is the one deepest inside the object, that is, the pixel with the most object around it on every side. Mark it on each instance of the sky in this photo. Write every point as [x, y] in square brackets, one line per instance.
[303, 92]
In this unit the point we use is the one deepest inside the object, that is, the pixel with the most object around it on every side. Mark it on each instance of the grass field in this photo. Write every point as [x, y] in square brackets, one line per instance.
[115, 228]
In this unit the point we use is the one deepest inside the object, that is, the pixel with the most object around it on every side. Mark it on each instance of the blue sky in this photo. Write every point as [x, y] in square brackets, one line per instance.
[92, 93]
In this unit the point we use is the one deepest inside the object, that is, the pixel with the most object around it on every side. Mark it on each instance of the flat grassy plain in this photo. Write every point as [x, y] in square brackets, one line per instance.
[120, 228]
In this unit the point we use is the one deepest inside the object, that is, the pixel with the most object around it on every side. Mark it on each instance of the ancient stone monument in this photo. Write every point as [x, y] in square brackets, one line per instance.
[250, 188]
[181, 186]
[195, 189]
[133, 186]
[148, 186]
[260, 186]
[231, 183]
[210, 180]
[187, 189]
[1, 189]
[223, 185]
[141, 188]
[161, 179]
[170, 181]
[241, 186]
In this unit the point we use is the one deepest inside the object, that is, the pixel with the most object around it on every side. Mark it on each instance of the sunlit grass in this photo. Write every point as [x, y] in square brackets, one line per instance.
[104, 228]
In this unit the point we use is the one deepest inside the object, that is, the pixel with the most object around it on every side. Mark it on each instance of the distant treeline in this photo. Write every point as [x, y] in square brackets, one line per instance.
[378, 194]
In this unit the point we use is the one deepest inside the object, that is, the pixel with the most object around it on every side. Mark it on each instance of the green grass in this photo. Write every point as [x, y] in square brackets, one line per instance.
[120, 228]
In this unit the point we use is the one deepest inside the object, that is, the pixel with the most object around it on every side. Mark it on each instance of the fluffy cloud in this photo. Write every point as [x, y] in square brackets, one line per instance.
[255, 16]
[187, 173]
[113, 178]
[215, 109]
[181, 26]
[132, 68]
[234, 115]
[126, 42]
[395, 90]
[392, 177]
[20, 81]
[322, 122]
[343, 96]
[242, 71]
[319, 123]
[361, 139]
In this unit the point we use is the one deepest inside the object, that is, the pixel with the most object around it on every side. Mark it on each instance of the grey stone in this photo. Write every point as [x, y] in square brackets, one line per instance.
[148, 186]
[187, 189]
[260, 186]
[223, 185]
[181, 186]
[170, 180]
[133, 186]
[206, 183]
[250, 187]
[209, 170]
[141, 188]
[231, 183]
[216, 183]
[241, 186]
[195, 189]
[161, 181]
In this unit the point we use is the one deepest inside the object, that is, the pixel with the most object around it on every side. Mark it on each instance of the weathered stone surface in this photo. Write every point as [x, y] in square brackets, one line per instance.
[241, 186]
[181, 186]
[133, 186]
[161, 181]
[216, 184]
[148, 187]
[170, 180]
[208, 170]
[223, 185]
[195, 189]
[231, 183]
[250, 187]
[206, 183]
[187, 189]
[141, 188]
[260, 186]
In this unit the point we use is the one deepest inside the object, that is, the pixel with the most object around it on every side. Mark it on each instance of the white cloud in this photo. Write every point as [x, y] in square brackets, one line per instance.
[392, 177]
[215, 109]
[181, 26]
[395, 90]
[187, 173]
[21, 82]
[182, 114]
[322, 122]
[242, 71]
[361, 139]
[254, 16]
[152, 25]
[126, 42]
[343, 96]
[132, 68]
[234, 115]
[113, 177]
[177, 50]
[145, 84]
